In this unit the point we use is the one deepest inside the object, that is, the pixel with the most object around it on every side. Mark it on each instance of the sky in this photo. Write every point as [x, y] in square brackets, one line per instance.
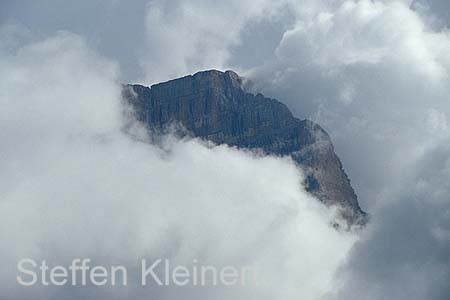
[374, 74]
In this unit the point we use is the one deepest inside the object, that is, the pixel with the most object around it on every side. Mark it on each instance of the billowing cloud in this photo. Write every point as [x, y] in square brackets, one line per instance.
[376, 75]
[74, 184]
[369, 70]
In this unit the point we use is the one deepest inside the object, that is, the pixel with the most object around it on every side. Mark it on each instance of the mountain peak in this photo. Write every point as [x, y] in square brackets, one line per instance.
[211, 77]
[213, 105]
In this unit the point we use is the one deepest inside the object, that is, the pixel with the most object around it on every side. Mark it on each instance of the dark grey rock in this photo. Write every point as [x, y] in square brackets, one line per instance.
[213, 105]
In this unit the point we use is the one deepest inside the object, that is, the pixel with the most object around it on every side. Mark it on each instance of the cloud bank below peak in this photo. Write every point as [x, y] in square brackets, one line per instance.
[73, 184]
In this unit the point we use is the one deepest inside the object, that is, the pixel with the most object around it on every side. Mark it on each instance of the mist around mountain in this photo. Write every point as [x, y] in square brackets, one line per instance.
[215, 106]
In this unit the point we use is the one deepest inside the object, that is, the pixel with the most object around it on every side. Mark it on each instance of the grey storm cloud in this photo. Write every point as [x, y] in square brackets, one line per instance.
[375, 74]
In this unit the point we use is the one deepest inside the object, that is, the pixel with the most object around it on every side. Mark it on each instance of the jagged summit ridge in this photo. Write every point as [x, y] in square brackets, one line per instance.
[214, 105]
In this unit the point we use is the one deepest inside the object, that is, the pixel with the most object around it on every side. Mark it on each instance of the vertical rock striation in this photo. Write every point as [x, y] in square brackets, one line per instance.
[213, 105]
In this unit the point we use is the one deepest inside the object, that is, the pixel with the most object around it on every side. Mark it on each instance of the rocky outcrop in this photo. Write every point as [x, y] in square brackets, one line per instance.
[213, 105]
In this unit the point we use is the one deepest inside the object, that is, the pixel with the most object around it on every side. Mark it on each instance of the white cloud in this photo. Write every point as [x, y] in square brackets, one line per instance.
[375, 74]
[73, 184]
[376, 62]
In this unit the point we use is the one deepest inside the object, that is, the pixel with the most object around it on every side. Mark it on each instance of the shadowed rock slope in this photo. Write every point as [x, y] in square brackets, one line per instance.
[213, 105]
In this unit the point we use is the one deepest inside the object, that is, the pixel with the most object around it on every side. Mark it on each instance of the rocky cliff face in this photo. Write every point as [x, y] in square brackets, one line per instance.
[214, 106]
